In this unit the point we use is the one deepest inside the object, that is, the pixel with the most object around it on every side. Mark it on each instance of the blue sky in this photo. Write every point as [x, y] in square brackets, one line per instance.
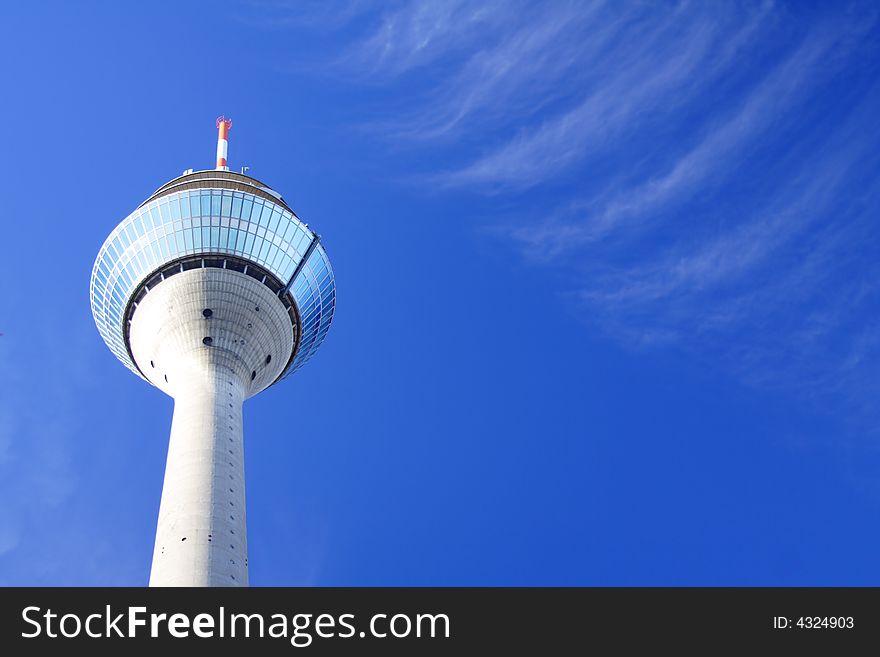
[608, 307]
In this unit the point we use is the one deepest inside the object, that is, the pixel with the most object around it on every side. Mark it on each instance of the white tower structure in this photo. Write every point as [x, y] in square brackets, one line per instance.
[211, 290]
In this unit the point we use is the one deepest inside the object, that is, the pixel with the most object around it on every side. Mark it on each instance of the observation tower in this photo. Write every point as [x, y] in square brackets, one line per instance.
[212, 290]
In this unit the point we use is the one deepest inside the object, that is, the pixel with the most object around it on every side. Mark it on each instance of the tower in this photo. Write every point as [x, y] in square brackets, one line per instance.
[211, 290]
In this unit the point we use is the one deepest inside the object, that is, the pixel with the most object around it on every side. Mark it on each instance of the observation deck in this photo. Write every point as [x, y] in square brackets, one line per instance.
[214, 219]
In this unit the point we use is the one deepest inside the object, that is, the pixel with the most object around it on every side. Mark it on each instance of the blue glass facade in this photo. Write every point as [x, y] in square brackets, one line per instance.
[212, 221]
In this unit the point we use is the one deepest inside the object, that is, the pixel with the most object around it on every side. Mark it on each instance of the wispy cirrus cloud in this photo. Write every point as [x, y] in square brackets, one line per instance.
[691, 167]
[676, 56]
[417, 34]
[699, 166]
[597, 67]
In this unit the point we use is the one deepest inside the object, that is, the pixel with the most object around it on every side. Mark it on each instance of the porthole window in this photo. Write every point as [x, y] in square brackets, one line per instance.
[166, 378]
[207, 312]
[152, 364]
[253, 375]
[268, 359]
[207, 341]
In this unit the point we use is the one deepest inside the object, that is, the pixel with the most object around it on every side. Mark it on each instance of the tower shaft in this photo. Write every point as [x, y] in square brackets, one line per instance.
[201, 536]
[209, 337]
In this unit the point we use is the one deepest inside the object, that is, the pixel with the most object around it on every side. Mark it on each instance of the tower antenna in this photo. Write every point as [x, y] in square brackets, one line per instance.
[223, 125]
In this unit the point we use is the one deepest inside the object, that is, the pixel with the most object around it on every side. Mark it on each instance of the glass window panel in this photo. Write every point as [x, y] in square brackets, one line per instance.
[249, 244]
[264, 216]
[125, 275]
[246, 207]
[226, 208]
[265, 213]
[215, 237]
[285, 267]
[257, 211]
[216, 200]
[273, 256]
[115, 244]
[194, 204]
[290, 232]
[163, 212]
[174, 204]
[273, 221]
[236, 206]
[224, 238]
[264, 250]
[188, 240]
[145, 217]
[240, 241]
[304, 242]
[154, 213]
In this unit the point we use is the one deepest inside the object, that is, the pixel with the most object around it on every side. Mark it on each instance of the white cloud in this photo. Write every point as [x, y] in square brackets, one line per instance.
[641, 119]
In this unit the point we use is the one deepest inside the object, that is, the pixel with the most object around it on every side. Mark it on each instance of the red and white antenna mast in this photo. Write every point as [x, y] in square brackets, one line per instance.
[223, 125]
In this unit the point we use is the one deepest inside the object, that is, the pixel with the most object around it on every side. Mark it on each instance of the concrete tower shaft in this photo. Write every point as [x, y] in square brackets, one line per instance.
[210, 338]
